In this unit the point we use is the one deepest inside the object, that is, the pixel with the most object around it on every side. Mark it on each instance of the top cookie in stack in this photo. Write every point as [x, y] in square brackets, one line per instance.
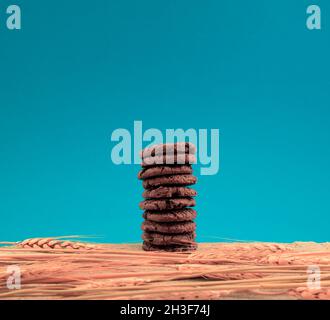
[166, 174]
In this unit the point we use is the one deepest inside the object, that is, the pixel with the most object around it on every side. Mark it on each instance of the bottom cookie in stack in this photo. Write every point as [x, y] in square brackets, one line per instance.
[147, 246]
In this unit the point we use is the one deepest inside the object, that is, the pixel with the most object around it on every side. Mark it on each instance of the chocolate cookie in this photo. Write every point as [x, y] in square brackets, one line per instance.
[169, 239]
[183, 180]
[175, 227]
[164, 171]
[170, 248]
[169, 149]
[168, 160]
[169, 192]
[170, 215]
[167, 204]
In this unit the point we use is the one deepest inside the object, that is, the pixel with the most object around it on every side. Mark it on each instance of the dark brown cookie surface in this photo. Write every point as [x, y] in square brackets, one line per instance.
[168, 148]
[169, 239]
[176, 227]
[164, 171]
[182, 179]
[169, 160]
[170, 248]
[167, 204]
[169, 192]
[170, 215]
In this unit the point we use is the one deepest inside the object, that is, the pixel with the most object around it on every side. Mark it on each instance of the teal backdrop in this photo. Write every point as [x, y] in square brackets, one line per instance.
[80, 69]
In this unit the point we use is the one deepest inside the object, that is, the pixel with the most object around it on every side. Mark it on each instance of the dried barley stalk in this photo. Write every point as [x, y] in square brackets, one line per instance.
[59, 269]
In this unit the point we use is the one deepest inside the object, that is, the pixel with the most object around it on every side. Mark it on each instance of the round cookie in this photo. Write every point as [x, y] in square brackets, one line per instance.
[169, 192]
[168, 148]
[169, 239]
[164, 171]
[182, 179]
[167, 204]
[168, 160]
[175, 227]
[171, 248]
[170, 215]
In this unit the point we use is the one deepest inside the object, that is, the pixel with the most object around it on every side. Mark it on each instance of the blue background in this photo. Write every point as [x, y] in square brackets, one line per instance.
[80, 69]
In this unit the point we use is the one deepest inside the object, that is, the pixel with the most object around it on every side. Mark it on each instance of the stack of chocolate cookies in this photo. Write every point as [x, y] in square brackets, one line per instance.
[168, 217]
